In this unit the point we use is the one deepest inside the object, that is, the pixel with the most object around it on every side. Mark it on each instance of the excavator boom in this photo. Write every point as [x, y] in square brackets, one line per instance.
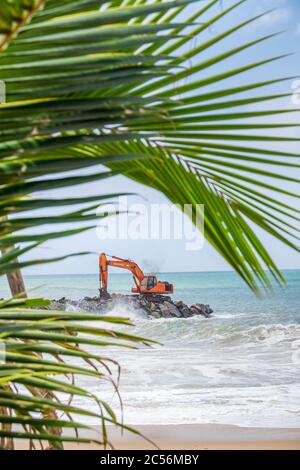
[143, 284]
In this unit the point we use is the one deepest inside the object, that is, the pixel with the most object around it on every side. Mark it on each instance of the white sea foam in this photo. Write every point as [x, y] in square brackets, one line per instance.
[210, 372]
[239, 367]
[124, 310]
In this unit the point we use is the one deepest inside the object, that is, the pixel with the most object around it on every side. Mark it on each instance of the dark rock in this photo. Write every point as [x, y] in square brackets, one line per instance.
[55, 305]
[183, 308]
[174, 310]
[164, 310]
[155, 314]
[201, 309]
[153, 307]
[186, 312]
[179, 304]
[194, 311]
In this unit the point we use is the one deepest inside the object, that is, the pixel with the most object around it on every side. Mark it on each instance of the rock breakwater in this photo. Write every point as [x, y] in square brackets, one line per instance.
[153, 308]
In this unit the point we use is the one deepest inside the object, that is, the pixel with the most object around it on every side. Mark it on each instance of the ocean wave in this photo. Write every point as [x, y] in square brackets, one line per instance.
[268, 334]
[229, 369]
[216, 331]
[199, 331]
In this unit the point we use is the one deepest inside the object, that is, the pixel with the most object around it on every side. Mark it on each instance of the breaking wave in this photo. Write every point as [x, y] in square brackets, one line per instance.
[224, 329]
[215, 332]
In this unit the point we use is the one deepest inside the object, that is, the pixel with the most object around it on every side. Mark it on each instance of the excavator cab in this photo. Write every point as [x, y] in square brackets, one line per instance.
[151, 282]
[150, 285]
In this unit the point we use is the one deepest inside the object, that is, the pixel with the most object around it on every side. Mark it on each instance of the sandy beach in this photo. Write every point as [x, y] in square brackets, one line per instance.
[198, 437]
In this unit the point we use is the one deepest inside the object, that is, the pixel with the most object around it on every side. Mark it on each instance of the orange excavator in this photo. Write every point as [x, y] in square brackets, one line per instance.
[144, 285]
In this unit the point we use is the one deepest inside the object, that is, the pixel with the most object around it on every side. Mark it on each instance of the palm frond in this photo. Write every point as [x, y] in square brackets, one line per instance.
[151, 92]
[141, 88]
[32, 386]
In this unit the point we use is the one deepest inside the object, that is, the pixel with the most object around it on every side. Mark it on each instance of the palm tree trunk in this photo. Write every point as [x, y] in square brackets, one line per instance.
[15, 279]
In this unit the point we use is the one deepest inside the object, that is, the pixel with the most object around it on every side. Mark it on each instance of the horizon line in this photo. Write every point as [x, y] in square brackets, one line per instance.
[156, 272]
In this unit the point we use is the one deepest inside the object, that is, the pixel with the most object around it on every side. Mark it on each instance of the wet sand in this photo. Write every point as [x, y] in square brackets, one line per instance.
[198, 437]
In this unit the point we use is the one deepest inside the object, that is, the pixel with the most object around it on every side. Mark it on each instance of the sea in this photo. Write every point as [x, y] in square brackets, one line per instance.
[239, 367]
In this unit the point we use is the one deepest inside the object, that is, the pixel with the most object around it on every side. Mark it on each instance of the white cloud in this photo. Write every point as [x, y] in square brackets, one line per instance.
[280, 12]
[277, 16]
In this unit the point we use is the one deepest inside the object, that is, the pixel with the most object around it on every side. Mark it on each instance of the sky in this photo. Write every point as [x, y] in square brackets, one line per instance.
[171, 256]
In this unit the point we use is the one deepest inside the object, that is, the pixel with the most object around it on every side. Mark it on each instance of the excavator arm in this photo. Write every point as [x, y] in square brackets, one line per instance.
[131, 266]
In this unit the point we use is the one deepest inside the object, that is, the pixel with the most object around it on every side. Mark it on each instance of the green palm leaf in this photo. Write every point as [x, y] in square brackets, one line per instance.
[25, 334]
[142, 108]
[135, 86]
